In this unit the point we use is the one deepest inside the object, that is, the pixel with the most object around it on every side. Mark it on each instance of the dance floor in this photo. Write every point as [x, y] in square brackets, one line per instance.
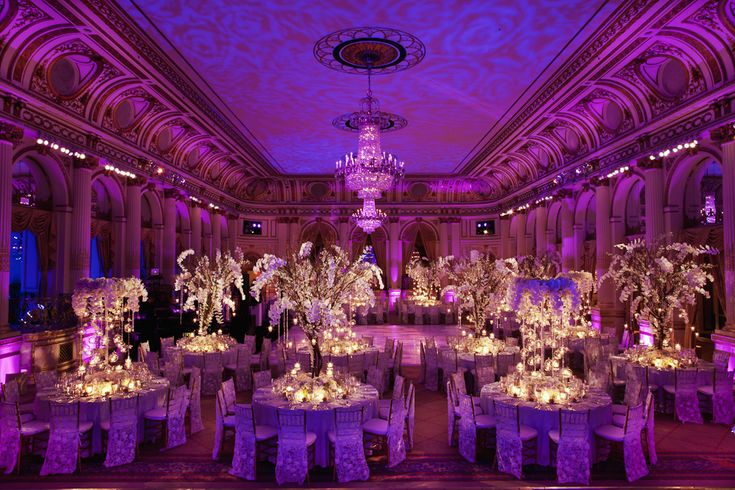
[689, 455]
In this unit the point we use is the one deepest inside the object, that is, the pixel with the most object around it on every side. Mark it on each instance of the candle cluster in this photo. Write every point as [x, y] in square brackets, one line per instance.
[477, 345]
[105, 381]
[666, 358]
[544, 389]
[214, 342]
[341, 340]
[300, 387]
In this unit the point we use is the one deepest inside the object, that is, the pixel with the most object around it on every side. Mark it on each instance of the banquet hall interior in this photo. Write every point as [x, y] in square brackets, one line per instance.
[436, 244]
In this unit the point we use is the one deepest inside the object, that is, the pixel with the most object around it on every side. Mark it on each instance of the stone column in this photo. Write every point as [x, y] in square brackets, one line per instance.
[728, 226]
[568, 243]
[654, 189]
[168, 256]
[343, 229]
[233, 231]
[579, 239]
[119, 231]
[505, 243]
[294, 233]
[395, 257]
[132, 227]
[216, 232]
[617, 225]
[443, 237]
[60, 284]
[282, 236]
[195, 219]
[540, 231]
[603, 239]
[81, 219]
[456, 233]
[9, 137]
[521, 243]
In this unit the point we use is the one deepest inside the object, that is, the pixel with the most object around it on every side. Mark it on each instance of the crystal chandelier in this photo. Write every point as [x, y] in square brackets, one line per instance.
[368, 218]
[371, 172]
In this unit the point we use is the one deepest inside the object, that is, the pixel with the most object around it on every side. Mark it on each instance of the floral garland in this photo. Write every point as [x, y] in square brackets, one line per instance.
[208, 288]
[107, 306]
[480, 282]
[316, 289]
[660, 279]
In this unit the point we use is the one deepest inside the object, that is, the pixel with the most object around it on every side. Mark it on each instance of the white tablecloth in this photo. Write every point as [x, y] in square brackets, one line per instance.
[192, 359]
[97, 410]
[544, 418]
[318, 420]
[466, 360]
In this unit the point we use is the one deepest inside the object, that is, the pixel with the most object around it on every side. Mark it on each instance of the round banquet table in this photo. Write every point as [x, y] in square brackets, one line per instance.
[544, 418]
[371, 355]
[97, 410]
[466, 360]
[192, 359]
[319, 420]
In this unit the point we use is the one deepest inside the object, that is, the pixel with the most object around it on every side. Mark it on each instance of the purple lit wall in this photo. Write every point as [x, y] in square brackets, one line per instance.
[257, 56]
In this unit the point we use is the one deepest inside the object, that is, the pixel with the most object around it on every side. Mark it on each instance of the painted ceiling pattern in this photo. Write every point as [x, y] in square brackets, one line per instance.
[257, 57]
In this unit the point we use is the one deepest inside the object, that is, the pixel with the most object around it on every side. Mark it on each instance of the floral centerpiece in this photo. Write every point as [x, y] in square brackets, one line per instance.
[544, 389]
[214, 342]
[539, 267]
[666, 358]
[581, 323]
[426, 276]
[107, 307]
[300, 387]
[316, 288]
[480, 282]
[341, 339]
[208, 288]
[658, 280]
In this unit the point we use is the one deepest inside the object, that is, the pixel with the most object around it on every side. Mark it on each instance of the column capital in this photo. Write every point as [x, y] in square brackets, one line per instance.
[565, 193]
[137, 181]
[600, 182]
[89, 162]
[648, 164]
[723, 134]
[11, 133]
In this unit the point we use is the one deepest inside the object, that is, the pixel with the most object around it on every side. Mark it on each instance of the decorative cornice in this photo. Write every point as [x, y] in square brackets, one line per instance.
[11, 133]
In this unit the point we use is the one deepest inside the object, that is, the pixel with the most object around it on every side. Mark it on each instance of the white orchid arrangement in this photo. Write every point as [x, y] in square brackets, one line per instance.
[480, 282]
[426, 276]
[539, 267]
[659, 280]
[208, 288]
[316, 288]
[108, 307]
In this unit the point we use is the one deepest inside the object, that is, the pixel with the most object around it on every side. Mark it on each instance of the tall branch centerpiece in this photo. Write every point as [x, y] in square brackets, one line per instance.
[316, 287]
[658, 280]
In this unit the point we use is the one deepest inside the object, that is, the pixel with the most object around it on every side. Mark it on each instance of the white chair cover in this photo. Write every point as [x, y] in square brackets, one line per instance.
[261, 379]
[357, 365]
[292, 463]
[431, 380]
[723, 408]
[685, 399]
[9, 436]
[635, 461]
[11, 390]
[376, 378]
[244, 458]
[467, 429]
[483, 376]
[176, 418]
[573, 455]
[451, 412]
[212, 374]
[152, 361]
[62, 451]
[509, 445]
[228, 390]
[219, 428]
[46, 379]
[196, 424]
[649, 427]
[122, 438]
[349, 453]
[410, 415]
[396, 444]
[242, 367]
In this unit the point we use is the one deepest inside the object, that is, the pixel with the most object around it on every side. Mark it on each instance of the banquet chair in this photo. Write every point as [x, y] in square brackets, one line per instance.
[483, 376]
[304, 360]
[17, 436]
[250, 340]
[346, 449]
[168, 420]
[173, 370]
[469, 425]
[376, 379]
[143, 349]
[261, 379]
[167, 343]
[721, 359]
[516, 443]
[249, 439]
[45, 379]
[572, 447]
[295, 447]
[368, 340]
[196, 424]
[484, 360]
[260, 362]
[430, 341]
[431, 376]
[719, 396]
[634, 390]
[385, 363]
[224, 425]
[505, 362]
[684, 391]
[152, 361]
[356, 365]
[630, 436]
[397, 360]
[643, 374]
[389, 346]
[212, 373]
[11, 391]
[648, 428]
[388, 434]
[422, 363]
[410, 415]
[240, 369]
[230, 396]
[384, 405]
[340, 363]
[617, 367]
[453, 413]
[447, 364]
[68, 437]
[121, 431]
